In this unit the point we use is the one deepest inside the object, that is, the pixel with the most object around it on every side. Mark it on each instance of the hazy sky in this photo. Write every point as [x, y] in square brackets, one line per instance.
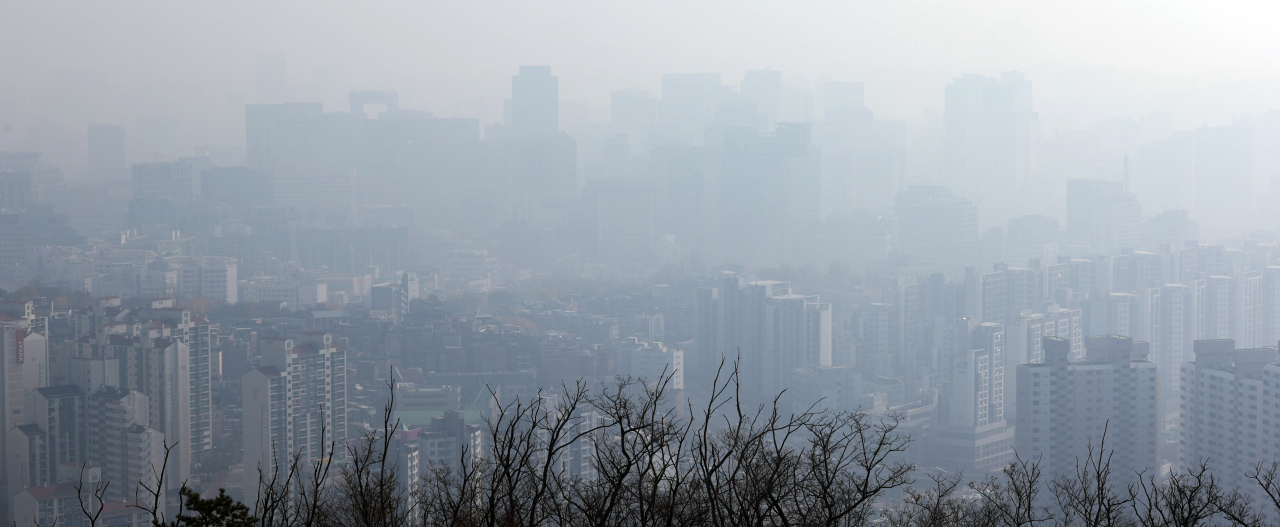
[158, 65]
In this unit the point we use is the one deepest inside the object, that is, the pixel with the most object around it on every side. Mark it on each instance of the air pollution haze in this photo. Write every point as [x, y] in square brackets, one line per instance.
[558, 263]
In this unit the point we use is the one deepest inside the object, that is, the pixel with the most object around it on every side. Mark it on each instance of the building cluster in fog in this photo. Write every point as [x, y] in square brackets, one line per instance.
[1005, 289]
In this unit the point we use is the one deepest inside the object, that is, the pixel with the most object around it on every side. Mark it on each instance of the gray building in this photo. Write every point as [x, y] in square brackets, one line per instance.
[1064, 407]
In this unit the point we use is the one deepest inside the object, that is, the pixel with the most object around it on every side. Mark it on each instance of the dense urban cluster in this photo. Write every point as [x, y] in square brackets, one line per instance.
[705, 308]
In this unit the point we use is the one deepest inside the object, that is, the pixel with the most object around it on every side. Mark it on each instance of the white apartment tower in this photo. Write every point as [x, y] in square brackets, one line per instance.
[797, 333]
[23, 369]
[155, 365]
[295, 403]
[651, 361]
[971, 433]
[53, 436]
[106, 332]
[207, 277]
[194, 332]
[123, 446]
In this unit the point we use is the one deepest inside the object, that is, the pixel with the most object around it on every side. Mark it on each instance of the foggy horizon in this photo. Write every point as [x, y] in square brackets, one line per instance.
[141, 62]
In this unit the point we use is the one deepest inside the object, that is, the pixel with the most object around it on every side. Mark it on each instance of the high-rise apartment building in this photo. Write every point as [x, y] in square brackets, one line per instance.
[195, 333]
[96, 439]
[124, 447]
[1215, 307]
[1177, 335]
[1007, 291]
[295, 403]
[1229, 410]
[651, 361]
[763, 326]
[160, 351]
[54, 435]
[24, 368]
[208, 277]
[970, 431]
[1110, 313]
[827, 388]
[797, 333]
[156, 365]
[1064, 407]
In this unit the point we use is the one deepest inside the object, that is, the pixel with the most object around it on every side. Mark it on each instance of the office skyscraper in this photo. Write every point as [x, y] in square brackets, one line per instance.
[989, 130]
[879, 347]
[763, 88]
[688, 106]
[16, 172]
[623, 211]
[535, 101]
[939, 228]
[171, 180]
[770, 189]
[1102, 215]
[842, 97]
[107, 152]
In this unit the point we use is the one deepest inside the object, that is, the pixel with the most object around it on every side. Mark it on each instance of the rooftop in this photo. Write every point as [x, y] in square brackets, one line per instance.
[66, 390]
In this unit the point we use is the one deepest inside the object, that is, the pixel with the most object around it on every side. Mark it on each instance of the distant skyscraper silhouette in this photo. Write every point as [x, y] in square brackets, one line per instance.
[16, 171]
[689, 102]
[535, 101]
[842, 96]
[764, 89]
[107, 152]
[989, 126]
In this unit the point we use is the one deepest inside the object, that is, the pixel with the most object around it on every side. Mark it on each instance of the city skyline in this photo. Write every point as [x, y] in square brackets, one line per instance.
[275, 250]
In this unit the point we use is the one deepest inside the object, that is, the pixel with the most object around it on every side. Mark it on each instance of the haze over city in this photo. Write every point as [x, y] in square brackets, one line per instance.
[702, 263]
